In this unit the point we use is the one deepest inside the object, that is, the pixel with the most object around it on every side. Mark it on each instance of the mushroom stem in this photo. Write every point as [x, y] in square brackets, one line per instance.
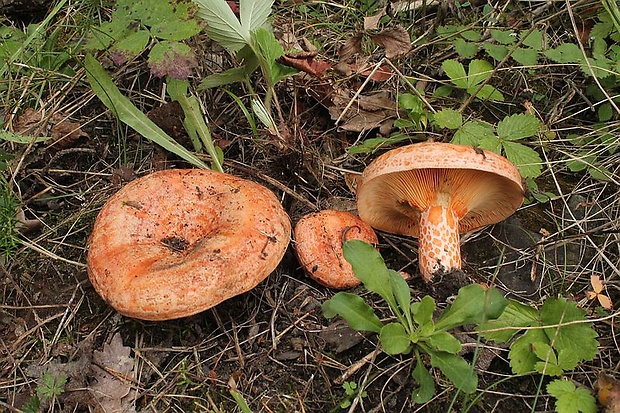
[438, 243]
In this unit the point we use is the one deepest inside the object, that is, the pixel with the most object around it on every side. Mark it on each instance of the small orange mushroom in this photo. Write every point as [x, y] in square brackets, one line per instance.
[318, 245]
[177, 242]
[435, 191]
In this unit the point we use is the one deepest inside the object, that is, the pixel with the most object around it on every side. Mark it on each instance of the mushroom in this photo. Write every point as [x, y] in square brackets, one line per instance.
[318, 245]
[435, 191]
[177, 242]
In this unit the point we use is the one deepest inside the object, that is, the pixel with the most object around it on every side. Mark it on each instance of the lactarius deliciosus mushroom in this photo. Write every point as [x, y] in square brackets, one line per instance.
[318, 245]
[435, 191]
[177, 242]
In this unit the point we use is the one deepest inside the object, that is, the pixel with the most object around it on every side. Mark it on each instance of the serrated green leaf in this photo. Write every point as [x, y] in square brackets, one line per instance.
[456, 72]
[254, 13]
[222, 24]
[426, 389]
[579, 338]
[496, 51]
[465, 49]
[522, 358]
[103, 36]
[565, 53]
[456, 369]
[449, 118]
[471, 35]
[514, 315]
[545, 353]
[478, 72]
[268, 48]
[533, 40]
[51, 385]
[444, 341]
[174, 59]
[443, 91]
[175, 29]
[525, 56]
[394, 339]
[410, 102]
[369, 267]
[475, 133]
[504, 36]
[525, 158]
[518, 126]
[130, 46]
[570, 399]
[354, 310]
[487, 92]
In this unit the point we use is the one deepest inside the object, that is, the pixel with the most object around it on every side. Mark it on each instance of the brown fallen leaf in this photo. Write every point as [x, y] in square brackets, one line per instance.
[396, 41]
[113, 370]
[365, 113]
[65, 134]
[608, 393]
[305, 62]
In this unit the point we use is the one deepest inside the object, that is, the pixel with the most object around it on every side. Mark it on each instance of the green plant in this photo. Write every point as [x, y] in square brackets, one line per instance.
[571, 399]
[589, 149]
[414, 328]
[135, 25]
[473, 82]
[49, 387]
[254, 44]
[351, 390]
[105, 89]
[501, 139]
[557, 337]
[9, 238]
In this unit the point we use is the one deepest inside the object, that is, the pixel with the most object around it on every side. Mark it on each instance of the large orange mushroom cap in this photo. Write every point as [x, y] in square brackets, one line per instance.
[435, 191]
[318, 245]
[177, 242]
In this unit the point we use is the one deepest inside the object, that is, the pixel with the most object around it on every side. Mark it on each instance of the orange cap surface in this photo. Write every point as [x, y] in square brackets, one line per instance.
[177, 242]
[318, 245]
[475, 187]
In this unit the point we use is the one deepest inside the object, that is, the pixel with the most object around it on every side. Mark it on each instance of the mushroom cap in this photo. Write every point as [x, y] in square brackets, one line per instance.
[177, 242]
[480, 186]
[318, 245]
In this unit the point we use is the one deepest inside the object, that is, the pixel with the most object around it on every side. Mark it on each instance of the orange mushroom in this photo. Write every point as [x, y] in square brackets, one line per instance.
[435, 191]
[318, 245]
[177, 242]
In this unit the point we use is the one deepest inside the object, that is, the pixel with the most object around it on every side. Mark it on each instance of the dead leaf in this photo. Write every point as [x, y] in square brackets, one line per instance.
[306, 62]
[65, 134]
[113, 369]
[372, 22]
[27, 122]
[367, 111]
[351, 47]
[598, 286]
[608, 393]
[396, 41]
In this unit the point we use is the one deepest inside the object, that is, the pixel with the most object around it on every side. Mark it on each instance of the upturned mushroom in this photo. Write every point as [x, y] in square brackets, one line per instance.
[177, 242]
[318, 245]
[435, 191]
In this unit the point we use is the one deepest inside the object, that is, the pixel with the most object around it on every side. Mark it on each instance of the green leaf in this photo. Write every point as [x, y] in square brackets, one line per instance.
[514, 315]
[423, 310]
[471, 35]
[503, 36]
[570, 399]
[479, 71]
[369, 267]
[579, 338]
[174, 59]
[533, 40]
[426, 389]
[175, 29]
[394, 339]
[472, 305]
[549, 362]
[268, 48]
[522, 358]
[456, 369]
[518, 126]
[51, 385]
[130, 46]
[17, 138]
[222, 24]
[354, 310]
[449, 118]
[496, 51]
[487, 92]
[101, 83]
[456, 72]
[479, 134]
[565, 53]
[227, 77]
[465, 49]
[254, 13]
[444, 341]
[525, 56]
[525, 158]
[401, 291]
